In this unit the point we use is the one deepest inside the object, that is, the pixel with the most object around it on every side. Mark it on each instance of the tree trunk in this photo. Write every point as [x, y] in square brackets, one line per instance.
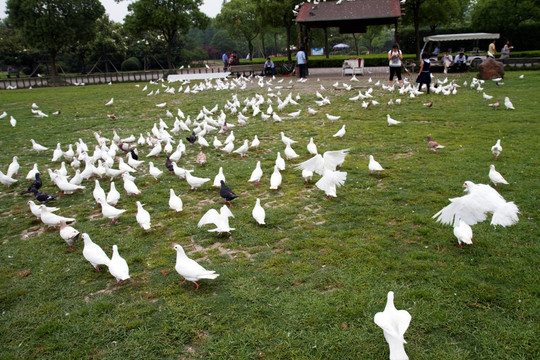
[53, 63]
[250, 48]
[355, 43]
[169, 55]
[417, 32]
[263, 47]
[275, 44]
[288, 26]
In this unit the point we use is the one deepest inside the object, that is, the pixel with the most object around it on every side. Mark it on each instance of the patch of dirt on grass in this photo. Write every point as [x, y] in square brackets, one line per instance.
[23, 273]
[269, 204]
[107, 291]
[408, 154]
[31, 232]
[222, 251]
[96, 214]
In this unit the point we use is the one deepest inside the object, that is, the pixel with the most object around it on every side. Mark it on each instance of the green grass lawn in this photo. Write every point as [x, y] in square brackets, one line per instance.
[306, 285]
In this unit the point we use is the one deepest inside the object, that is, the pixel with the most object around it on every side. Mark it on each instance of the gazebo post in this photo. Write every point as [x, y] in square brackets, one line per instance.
[326, 42]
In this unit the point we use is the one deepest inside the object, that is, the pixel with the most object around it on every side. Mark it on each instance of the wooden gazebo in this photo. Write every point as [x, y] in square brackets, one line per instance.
[349, 16]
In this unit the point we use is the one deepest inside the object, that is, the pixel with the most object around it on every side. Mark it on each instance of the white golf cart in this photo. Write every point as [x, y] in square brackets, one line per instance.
[474, 56]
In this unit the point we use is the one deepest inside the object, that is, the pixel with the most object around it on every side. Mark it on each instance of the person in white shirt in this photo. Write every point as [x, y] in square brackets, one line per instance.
[447, 60]
[302, 62]
[394, 57]
[460, 62]
[269, 67]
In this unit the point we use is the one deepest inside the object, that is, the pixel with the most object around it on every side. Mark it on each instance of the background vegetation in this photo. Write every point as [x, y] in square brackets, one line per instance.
[266, 30]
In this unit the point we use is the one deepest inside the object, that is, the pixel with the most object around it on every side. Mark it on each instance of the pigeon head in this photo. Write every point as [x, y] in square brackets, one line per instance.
[468, 185]
[179, 248]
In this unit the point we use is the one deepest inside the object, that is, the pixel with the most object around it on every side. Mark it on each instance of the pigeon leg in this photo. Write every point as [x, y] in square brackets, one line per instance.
[460, 246]
[197, 288]
[182, 282]
[97, 269]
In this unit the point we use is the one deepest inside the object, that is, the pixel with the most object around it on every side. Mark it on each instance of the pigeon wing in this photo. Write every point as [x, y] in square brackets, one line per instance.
[333, 159]
[210, 217]
[315, 164]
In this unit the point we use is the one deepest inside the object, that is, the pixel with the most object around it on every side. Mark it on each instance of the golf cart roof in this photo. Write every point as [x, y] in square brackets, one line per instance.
[466, 36]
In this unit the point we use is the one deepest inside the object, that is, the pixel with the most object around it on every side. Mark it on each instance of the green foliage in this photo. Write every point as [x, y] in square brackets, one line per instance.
[55, 24]
[166, 17]
[504, 15]
[240, 19]
[131, 64]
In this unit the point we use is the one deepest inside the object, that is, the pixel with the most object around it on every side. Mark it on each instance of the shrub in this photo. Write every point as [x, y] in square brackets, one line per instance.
[131, 64]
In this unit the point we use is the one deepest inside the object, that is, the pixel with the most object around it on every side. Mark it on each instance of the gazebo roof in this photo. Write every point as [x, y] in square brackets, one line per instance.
[356, 14]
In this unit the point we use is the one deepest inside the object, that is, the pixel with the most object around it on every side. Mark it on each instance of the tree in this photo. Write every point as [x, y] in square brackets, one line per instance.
[239, 18]
[50, 25]
[504, 15]
[168, 17]
[433, 13]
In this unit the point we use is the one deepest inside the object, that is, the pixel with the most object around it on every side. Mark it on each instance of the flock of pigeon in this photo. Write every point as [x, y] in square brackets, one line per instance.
[106, 161]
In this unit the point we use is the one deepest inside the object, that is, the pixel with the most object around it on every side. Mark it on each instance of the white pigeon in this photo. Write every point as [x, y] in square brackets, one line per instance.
[286, 140]
[258, 212]
[256, 174]
[255, 142]
[497, 149]
[162, 105]
[218, 178]
[508, 104]
[32, 173]
[217, 144]
[495, 177]
[134, 164]
[374, 165]
[36, 209]
[129, 185]
[154, 171]
[51, 219]
[57, 153]
[276, 117]
[332, 117]
[93, 253]
[219, 219]
[142, 217]
[110, 102]
[118, 266]
[394, 323]
[242, 150]
[473, 207]
[3, 115]
[12, 121]
[110, 212]
[463, 232]
[156, 150]
[13, 168]
[289, 152]
[228, 148]
[391, 121]
[99, 193]
[329, 160]
[195, 182]
[311, 147]
[486, 96]
[275, 179]
[340, 133]
[330, 181]
[37, 147]
[175, 203]
[113, 195]
[190, 269]
[68, 233]
[66, 187]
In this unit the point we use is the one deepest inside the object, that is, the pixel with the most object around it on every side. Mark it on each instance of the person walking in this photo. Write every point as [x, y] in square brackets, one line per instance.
[505, 52]
[395, 56]
[424, 75]
[491, 50]
[302, 62]
[225, 59]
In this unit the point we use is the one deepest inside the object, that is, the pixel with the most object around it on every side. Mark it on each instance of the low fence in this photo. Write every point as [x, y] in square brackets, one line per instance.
[98, 78]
